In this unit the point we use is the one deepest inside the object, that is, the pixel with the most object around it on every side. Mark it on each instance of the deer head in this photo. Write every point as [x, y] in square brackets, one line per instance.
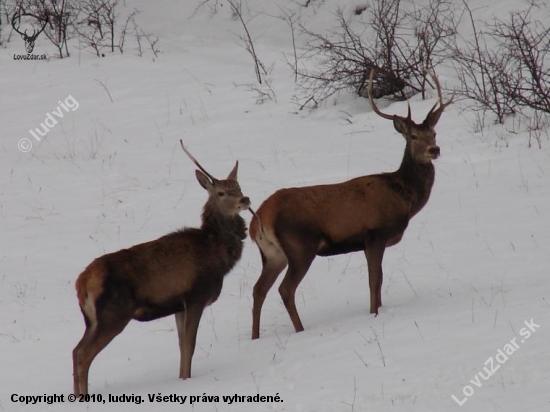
[226, 194]
[29, 39]
[420, 137]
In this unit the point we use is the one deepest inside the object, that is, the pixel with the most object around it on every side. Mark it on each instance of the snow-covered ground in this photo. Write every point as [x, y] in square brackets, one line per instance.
[472, 268]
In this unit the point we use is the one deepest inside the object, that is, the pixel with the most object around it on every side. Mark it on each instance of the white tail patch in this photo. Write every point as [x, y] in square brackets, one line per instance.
[269, 243]
[90, 311]
[271, 247]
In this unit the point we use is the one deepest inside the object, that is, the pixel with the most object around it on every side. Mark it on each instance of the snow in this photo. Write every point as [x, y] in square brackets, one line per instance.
[470, 270]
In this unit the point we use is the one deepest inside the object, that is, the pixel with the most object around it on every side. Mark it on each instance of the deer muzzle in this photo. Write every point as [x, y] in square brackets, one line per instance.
[434, 152]
[244, 203]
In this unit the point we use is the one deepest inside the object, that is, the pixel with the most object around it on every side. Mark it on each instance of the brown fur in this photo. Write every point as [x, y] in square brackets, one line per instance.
[368, 213]
[180, 273]
[90, 282]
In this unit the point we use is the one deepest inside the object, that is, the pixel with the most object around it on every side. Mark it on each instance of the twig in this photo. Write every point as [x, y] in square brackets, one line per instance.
[105, 87]
[379, 347]
[249, 44]
[420, 333]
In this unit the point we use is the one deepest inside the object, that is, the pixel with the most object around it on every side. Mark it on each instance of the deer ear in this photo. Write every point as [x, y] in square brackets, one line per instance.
[204, 180]
[401, 125]
[433, 117]
[233, 174]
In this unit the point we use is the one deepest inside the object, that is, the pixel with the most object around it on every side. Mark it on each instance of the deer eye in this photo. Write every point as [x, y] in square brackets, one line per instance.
[221, 194]
[414, 137]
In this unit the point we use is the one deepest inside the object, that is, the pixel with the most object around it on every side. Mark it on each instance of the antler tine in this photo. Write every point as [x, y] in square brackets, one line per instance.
[196, 162]
[439, 93]
[374, 107]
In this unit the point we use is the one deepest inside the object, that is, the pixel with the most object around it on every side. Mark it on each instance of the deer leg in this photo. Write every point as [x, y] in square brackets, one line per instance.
[76, 373]
[273, 262]
[379, 293]
[375, 253]
[298, 265]
[99, 333]
[187, 323]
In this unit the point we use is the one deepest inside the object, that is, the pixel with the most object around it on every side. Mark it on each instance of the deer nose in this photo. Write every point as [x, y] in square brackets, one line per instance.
[245, 200]
[435, 151]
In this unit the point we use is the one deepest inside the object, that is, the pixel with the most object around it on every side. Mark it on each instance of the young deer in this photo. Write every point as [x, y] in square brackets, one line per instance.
[368, 213]
[180, 273]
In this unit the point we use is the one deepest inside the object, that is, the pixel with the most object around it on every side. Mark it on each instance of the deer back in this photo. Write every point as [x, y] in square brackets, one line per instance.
[337, 213]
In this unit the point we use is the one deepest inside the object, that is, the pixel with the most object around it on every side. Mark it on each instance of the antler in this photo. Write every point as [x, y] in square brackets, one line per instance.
[375, 108]
[196, 162]
[433, 114]
[214, 180]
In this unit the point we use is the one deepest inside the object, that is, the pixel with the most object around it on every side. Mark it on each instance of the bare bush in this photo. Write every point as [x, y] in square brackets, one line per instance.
[259, 68]
[61, 17]
[394, 53]
[399, 44]
[292, 19]
[90, 27]
[341, 59]
[505, 68]
[143, 40]
[101, 28]
[525, 40]
[264, 92]
[97, 23]
[433, 25]
[212, 6]
[262, 87]
[480, 69]
[538, 126]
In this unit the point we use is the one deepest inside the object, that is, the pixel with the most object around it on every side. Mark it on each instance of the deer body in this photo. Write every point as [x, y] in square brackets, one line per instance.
[368, 213]
[341, 217]
[180, 273]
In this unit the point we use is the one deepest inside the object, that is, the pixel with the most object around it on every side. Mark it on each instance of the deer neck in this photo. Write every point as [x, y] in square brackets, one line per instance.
[418, 179]
[226, 227]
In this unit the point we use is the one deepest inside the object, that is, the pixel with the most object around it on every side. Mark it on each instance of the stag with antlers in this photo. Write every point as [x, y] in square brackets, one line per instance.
[368, 214]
